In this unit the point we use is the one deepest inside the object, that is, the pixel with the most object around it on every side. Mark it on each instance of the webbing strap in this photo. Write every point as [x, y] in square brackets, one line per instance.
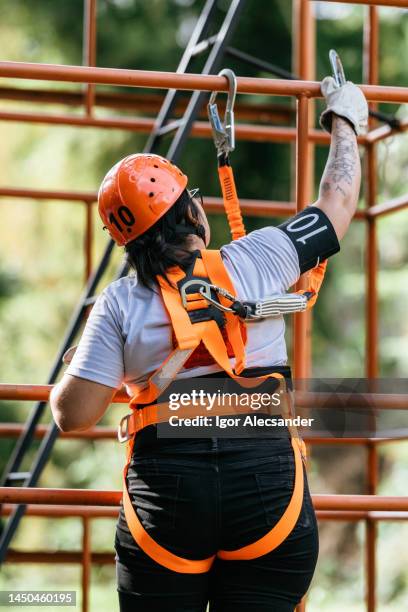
[155, 551]
[315, 278]
[262, 546]
[283, 527]
[235, 329]
[231, 202]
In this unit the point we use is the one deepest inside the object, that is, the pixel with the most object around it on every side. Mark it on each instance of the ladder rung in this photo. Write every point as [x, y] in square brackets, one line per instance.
[90, 301]
[203, 45]
[169, 127]
[17, 476]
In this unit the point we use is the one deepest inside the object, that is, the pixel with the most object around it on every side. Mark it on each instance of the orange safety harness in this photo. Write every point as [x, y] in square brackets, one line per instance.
[203, 310]
[182, 307]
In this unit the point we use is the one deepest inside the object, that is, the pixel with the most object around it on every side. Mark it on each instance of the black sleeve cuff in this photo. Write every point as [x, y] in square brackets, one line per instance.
[312, 235]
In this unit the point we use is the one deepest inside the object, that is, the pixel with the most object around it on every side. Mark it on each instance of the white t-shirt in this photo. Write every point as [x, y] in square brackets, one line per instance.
[128, 334]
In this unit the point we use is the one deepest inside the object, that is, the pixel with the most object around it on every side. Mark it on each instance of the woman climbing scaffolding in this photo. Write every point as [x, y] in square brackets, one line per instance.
[224, 521]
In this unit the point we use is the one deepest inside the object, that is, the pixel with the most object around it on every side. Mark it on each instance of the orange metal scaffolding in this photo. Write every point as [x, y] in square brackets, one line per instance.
[369, 508]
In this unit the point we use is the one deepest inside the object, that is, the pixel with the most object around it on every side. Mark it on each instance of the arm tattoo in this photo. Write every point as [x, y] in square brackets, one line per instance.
[341, 167]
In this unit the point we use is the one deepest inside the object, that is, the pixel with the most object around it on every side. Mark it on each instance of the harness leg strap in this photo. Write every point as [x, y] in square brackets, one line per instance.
[283, 527]
[155, 551]
[261, 547]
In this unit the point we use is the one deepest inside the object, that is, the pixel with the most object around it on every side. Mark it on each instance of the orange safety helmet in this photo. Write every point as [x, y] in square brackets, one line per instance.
[136, 193]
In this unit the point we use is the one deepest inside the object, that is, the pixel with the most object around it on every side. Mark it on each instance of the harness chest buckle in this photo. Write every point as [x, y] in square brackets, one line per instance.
[205, 290]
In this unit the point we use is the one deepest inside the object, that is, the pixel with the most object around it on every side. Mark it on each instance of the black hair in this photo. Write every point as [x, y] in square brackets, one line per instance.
[163, 245]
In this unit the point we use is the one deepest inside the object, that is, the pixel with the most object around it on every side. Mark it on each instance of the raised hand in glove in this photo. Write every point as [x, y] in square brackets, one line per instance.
[347, 101]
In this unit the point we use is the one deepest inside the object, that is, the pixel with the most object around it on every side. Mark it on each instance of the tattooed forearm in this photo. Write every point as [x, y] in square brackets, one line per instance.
[341, 168]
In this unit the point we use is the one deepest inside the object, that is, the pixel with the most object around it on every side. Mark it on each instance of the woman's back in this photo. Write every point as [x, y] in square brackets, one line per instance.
[129, 335]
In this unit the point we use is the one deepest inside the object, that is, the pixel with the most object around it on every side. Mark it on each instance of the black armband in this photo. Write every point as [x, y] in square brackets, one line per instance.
[312, 235]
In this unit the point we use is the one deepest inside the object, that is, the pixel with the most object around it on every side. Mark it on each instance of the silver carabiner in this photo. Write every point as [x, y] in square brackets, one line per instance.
[209, 299]
[224, 131]
[337, 68]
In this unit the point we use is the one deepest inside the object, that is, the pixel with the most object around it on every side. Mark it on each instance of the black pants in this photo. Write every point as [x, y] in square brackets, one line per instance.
[199, 496]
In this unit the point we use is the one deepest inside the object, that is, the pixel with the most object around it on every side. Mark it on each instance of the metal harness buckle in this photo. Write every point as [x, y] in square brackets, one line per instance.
[123, 429]
[224, 131]
[205, 290]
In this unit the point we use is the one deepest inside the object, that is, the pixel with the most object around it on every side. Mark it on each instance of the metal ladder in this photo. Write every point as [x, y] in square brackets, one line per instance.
[164, 125]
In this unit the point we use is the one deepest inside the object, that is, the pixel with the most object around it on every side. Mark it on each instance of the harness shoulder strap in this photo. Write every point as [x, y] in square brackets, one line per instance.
[315, 278]
[189, 334]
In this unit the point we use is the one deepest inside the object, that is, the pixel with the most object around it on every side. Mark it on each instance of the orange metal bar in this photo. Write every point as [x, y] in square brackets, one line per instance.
[74, 497]
[200, 129]
[255, 208]
[305, 66]
[371, 530]
[86, 497]
[371, 293]
[42, 392]
[96, 512]
[371, 70]
[89, 49]
[61, 511]
[148, 103]
[371, 75]
[358, 515]
[86, 562]
[189, 82]
[302, 606]
[303, 399]
[88, 240]
[300, 325]
[388, 207]
[57, 557]
[330, 400]
[48, 194]
[385, 131]
[13, 430]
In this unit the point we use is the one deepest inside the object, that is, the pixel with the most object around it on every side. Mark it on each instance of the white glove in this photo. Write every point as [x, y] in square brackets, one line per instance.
[347, 101]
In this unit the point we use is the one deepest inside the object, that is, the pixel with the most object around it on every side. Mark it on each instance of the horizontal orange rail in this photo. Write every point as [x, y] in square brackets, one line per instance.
[150, 103]
[49, 511]
[386, 208]
[190, 82]
[385, 131]
[250, 207]
[86, 497]
[60, 557]
[13, 430]
[243, 131]
[302, 398]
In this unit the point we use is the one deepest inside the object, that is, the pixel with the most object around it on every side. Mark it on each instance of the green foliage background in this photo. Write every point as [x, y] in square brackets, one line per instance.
[42, 255]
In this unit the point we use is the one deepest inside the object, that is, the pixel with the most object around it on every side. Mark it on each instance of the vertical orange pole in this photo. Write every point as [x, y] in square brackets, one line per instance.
[371, 74]
[305, 67]
[88, 240]
[304, 37]
[371, 528]
[302, 606]
[89, 49]
[86, 563]
[371, 77]
[301, 324]
[301, 327]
